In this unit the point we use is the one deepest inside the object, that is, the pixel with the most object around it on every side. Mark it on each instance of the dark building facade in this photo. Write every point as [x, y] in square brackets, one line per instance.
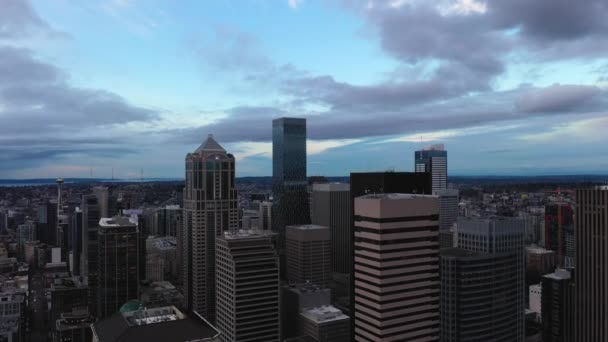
[118, 264]
[559, 227]
[89, 254]
[557, 302]
[331, 208]
[290, 204]
[591, 265]
[76, 238]
[478, 296]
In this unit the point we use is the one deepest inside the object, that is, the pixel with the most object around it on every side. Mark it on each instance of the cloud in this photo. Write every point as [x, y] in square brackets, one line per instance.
[38, 94]
[18, 20]
[294, 3]
[557, 98]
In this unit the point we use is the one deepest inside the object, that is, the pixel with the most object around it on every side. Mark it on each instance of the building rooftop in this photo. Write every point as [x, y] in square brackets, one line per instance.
[117, 221]
[157, 324]
[393, 196]
[307, 227]
[559, 274]
[331, 187]
[210, 145]
[247, 234]
[434, 147]
[538, 250]
[325, 313]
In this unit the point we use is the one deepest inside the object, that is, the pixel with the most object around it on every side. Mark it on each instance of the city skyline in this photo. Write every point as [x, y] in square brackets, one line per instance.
[113, 84]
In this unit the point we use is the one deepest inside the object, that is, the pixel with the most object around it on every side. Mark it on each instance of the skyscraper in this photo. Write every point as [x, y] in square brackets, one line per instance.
[118, 263]
[434, 159]
[308, 254]
[289, 183]
[448, 208]
[559, 225]
[92, 212]
[396, 268]
[332, 208]
[486, 287]
[210, 208]
[248, 307]
[558, 307]
[591, 264]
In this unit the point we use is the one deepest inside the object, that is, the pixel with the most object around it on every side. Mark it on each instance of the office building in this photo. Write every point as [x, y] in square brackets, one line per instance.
[534, 299]
[167, 219]
[331, 207]
[396, 268]
[539, 262]
[535, 225]
[137, 323]
[434, 159]
[296, 298]
[325, 324]
[161, 258]
[265, 215]
[308, 254]
[448, 208]
[559, 227]
[67, 294]
[499, 244]
[76, 227]
[210, 208]
[290, 205]
[557, 304]
[118, 263]
[250, 219]
[161, 293]
[13, 316]
[74, 326]
[591, 263]
[248, 307]
[93, 209]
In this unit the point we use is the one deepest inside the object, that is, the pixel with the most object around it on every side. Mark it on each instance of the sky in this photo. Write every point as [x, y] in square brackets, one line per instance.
[512, 87]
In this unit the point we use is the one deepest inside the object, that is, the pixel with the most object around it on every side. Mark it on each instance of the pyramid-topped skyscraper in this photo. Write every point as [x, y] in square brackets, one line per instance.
[210, 208]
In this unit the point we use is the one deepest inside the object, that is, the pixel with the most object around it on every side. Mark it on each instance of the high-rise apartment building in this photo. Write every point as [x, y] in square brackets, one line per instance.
[308, 254]
[559, 227]
[210, 208]
[247, 287]
[591, 264]
[498, 250]
[396, 268]
[118, 257]
[332, 208]
[557, 303]
[290, 203]
[434, 159]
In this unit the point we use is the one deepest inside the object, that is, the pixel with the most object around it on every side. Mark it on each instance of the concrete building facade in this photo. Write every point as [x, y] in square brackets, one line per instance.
[396, 270]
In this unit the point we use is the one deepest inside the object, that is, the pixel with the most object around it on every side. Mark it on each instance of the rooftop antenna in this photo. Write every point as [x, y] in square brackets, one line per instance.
[112, 174]
[142, 174]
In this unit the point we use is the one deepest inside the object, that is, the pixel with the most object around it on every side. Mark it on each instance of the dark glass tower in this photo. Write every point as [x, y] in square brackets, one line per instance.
[289, 183]
[558, 307]
[591, 264]
[559, 228]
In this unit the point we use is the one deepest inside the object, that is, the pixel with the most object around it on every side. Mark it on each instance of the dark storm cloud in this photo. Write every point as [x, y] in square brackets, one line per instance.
[35, 97]
[551, 20]
[20, 158]
[560, 99]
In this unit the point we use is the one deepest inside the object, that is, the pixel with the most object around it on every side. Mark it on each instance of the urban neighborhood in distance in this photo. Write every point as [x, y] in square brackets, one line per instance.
[304, 171]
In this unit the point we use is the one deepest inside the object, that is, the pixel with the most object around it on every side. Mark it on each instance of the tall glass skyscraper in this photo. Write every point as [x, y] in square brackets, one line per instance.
[289, 182]
[434, 159]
